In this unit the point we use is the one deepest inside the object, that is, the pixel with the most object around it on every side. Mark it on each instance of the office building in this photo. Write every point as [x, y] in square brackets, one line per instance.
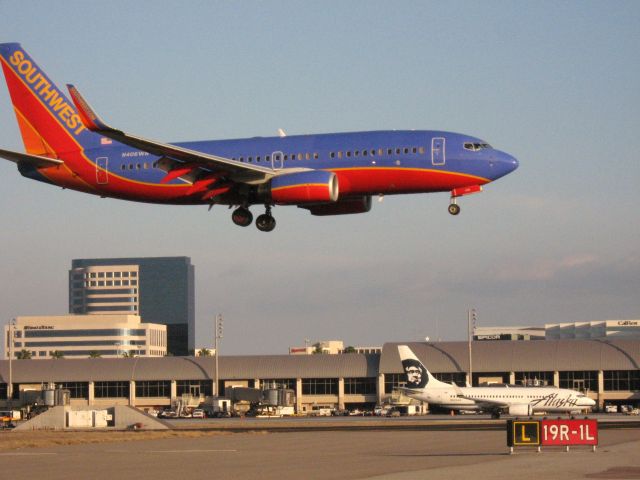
[77, 336]
[331, 347]
[159, 289]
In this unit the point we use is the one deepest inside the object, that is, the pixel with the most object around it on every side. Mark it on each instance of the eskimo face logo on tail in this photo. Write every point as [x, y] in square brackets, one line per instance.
[416, 374]
[47, 92]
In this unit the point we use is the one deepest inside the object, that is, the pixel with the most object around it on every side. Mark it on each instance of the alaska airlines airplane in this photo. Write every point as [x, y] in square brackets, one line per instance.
[69, 146]
[496, 399]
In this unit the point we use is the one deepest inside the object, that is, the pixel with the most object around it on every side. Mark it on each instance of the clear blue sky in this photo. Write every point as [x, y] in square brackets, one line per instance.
[556, 84]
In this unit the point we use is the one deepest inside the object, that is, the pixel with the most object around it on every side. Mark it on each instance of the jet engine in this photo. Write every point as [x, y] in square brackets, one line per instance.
[521, 410]
[315, 186]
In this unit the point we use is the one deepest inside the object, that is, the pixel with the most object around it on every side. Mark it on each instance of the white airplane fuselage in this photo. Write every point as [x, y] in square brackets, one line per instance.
[541, 399]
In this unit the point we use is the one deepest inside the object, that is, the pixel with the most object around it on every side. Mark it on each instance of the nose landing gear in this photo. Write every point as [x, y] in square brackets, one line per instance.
[454, 208]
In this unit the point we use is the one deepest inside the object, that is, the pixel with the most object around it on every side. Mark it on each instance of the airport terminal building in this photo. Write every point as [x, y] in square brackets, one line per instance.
[608, 370]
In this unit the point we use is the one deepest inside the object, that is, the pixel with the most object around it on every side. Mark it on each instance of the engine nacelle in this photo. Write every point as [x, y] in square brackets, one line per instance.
[522, 410]
[315, 186]
[342, 207]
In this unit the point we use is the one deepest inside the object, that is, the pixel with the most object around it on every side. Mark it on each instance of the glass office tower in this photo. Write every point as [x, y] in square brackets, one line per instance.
[159, 289]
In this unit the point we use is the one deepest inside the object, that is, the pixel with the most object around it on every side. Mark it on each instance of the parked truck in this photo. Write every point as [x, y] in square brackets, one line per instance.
[216, 407]
[8, 417]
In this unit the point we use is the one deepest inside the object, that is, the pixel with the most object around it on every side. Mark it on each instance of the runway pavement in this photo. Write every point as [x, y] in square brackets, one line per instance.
[353, 423]
[344, 454]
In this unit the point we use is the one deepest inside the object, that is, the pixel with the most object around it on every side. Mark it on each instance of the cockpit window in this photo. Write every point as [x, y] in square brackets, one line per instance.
[474, 147]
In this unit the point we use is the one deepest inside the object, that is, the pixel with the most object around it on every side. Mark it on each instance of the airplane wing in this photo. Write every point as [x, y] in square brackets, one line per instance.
[27, 158]
[174, 158]
[485, 404]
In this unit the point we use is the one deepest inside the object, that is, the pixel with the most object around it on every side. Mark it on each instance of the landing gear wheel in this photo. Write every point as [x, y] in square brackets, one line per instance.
[265, 222]
[454, 209]
[242, 217]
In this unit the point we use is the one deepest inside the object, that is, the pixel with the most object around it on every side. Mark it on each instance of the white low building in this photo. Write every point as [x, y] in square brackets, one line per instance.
[599, 329]
[591, 330]
[81, 336]
[508, 333]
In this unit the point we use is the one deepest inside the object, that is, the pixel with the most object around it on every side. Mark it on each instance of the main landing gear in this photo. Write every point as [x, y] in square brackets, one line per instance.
[266, 222]
[243, 217]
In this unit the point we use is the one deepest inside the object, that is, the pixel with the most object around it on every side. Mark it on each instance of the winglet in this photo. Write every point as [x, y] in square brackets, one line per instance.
[87, 115]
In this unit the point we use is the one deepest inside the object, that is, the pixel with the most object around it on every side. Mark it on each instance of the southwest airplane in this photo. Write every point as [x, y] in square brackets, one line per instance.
[68, 145]
[512, 399]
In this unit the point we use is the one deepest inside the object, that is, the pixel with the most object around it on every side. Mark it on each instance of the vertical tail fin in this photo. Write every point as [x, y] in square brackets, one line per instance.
[418, 377]
[48, 121]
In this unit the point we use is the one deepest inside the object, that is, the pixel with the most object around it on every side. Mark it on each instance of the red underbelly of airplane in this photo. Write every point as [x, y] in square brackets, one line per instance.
[401, 180]
[358, 181]
[117, 187]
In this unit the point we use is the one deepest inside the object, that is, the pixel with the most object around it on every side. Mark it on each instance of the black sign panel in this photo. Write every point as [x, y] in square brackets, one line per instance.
[523, 433]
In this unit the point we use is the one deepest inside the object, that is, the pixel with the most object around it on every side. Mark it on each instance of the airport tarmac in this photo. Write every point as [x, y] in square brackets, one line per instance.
[418, 422]
[331, 455]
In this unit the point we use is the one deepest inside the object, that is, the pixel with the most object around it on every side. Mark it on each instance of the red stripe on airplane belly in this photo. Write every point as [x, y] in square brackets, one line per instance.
[147, 192]
[399, 180]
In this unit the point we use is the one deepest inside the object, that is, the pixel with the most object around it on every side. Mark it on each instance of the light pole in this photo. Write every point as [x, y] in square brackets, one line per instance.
[219, 323]
[471, 318]
[12, 328]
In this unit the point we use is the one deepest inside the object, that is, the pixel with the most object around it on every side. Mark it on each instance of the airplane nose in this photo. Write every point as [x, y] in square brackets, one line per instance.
[503, 164]
[511, 162]
[587, 402]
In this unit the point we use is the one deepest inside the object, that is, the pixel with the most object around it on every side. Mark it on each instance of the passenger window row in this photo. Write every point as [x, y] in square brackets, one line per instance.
[380, 152]
[302, 156]
[267, 158]
[138, 166]
[339, 154]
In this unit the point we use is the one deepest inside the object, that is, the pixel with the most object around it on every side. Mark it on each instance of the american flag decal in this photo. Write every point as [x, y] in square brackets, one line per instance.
[105, 141]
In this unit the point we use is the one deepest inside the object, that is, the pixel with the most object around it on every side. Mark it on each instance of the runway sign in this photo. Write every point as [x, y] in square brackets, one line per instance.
[569, 432]
[559, 432]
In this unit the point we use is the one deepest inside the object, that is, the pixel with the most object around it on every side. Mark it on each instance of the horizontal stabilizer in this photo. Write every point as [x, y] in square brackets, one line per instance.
[27, 158]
